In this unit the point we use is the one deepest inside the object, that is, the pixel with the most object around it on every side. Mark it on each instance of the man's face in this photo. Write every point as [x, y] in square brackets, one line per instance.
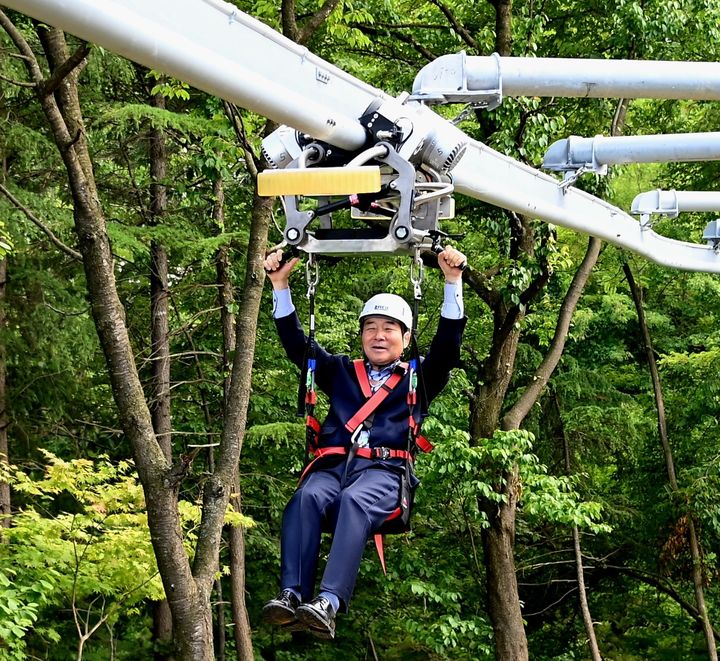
[383, 340]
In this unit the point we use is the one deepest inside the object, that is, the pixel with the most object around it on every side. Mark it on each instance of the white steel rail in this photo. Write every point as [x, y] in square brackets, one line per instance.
[575, 152]
[446, 78]
[497, 179]
[213, 46]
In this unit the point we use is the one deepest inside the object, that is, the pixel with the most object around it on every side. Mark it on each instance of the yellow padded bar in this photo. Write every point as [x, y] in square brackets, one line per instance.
[319, 181]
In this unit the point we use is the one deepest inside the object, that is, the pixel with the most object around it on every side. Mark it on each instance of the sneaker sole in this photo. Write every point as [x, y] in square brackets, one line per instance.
[323, 634]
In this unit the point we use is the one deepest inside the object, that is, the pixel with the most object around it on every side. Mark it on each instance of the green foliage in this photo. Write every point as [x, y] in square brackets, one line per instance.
[72, 557]
[341, 22]
[172, 89]
[19, 607]
[6, 245]
[78, 528]
[475, 472]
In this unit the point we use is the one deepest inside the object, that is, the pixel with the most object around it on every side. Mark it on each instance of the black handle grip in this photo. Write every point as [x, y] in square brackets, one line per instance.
[288, 254]
[437, 249]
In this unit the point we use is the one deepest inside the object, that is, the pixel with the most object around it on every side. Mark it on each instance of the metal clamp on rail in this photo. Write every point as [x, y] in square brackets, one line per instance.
[398, 204]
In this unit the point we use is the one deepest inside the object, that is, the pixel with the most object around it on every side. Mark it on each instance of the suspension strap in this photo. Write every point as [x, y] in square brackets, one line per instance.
[362, 377]
[307, 396]
[417, 273]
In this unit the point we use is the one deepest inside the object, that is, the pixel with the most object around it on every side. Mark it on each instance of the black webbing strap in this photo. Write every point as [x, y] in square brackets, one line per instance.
[308, 367]
[307, 397]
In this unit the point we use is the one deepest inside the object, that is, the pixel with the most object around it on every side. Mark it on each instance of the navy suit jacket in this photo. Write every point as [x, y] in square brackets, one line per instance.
[335, 376]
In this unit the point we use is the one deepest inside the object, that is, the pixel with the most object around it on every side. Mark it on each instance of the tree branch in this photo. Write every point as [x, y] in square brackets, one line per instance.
[668, 590]
[252, 161]
[536, 286]
[400, 36]
[517, 233]
[481, 285]
[390, 57]
[36, 221]
[311, 27]
[75, 60]
[514, 417]
[456, 25]
[410, 26]
[19, 83]
[48, 103]
[22, 45]
[514, 312]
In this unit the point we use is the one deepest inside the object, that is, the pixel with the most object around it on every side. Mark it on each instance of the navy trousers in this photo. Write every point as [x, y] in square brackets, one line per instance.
[352, 509]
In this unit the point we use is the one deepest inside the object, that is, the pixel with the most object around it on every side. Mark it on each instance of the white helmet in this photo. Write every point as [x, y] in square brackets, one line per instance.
[388, 305]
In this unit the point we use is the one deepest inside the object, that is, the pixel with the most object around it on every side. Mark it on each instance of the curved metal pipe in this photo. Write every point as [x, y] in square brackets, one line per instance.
[368, 155]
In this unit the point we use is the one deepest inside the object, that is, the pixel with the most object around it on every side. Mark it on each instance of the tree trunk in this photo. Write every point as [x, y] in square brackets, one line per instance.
[188, 589]
[162, 631]
[498, 538]
[516, 415]
[245, 334]
[160, 348]
[189, 601]
[584, 606]
[695, 552]
[486, 406]
[218, 214]
[493, 382]
[236, 535]
[5, 501]
[242, 631]
[498, 541]
[159, 293]
[503, 26]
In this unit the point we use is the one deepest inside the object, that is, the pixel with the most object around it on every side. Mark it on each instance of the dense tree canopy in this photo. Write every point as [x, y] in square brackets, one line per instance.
[582, 472]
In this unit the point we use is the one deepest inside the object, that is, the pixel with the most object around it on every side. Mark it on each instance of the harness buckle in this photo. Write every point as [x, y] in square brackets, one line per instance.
[380, 453]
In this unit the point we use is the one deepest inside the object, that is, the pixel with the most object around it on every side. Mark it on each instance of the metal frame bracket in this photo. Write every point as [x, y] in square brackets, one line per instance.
[413, 216]
[447, 82]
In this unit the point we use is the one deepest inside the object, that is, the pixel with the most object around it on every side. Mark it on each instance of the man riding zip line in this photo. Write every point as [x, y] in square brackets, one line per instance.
[354, 485]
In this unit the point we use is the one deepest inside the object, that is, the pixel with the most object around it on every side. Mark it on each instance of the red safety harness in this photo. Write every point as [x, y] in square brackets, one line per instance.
[399, 519]
[365, 412]
[363, 418]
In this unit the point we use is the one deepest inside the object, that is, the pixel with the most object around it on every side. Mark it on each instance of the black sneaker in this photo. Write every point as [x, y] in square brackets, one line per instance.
[280, 611]
[318, 616]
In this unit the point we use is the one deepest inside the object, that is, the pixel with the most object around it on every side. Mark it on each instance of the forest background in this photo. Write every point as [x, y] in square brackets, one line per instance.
[571, 509]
